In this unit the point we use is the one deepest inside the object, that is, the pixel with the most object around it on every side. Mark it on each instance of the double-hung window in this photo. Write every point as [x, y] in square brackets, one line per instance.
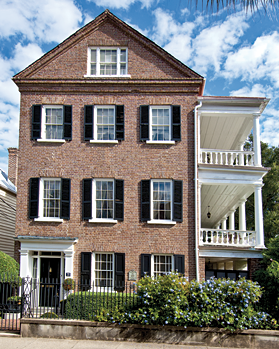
[103, 123]
[161, 201]
[49, 199]
[160, 124]
[103, 200]
[161, 264]
[51, 123]
[102, 270]
[107, 61]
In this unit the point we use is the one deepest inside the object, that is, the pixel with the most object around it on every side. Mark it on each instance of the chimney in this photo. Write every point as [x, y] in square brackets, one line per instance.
[12, 166]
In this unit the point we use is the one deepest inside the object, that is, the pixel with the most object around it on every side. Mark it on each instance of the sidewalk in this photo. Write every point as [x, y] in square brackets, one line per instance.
[16, 342]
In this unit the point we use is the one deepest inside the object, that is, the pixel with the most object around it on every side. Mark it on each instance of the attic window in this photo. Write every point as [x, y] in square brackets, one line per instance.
[107, 61]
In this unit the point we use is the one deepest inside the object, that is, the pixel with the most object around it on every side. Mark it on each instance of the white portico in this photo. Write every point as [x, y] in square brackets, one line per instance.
[226, 176]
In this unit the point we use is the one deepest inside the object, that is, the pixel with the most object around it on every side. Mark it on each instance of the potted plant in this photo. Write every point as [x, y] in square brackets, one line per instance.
[68, 284]
[14, 304]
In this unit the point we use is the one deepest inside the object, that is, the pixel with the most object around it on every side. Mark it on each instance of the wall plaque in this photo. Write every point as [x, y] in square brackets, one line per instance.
[132, 275]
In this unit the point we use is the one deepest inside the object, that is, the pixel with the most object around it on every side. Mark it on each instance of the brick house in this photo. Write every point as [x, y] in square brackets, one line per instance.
[120, 156]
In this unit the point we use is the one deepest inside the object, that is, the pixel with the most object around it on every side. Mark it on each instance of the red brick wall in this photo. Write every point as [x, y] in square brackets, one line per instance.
[130, 160]
[13, 165]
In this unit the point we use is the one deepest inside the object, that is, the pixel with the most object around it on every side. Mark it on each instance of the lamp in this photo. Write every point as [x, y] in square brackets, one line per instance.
[208, 213]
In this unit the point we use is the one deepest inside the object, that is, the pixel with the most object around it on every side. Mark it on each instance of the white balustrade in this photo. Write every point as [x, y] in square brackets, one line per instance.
[229, 238]
[226, 157]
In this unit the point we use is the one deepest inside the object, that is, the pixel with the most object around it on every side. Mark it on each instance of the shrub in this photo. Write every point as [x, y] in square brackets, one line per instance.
[49, 315]
[9, 269]
[14, 299]
[91, 305]
[269, 280]
[68, 284]
[171, 300]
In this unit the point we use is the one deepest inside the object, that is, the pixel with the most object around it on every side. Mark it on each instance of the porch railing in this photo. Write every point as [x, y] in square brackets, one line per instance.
[230, 238]
[226, 157]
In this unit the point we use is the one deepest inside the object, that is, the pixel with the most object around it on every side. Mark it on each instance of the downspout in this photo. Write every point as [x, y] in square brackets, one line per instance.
[197, 233]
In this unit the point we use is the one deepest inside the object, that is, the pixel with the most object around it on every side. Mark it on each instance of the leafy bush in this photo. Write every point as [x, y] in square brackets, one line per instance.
[14, 299]
[269, 280]
[68, 284]
[90, 305]
[49, 315]
[9, 269]
[171, 300]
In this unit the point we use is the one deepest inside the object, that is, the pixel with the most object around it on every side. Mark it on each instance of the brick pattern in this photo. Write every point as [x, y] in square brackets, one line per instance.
[13, 165]
[253, 265]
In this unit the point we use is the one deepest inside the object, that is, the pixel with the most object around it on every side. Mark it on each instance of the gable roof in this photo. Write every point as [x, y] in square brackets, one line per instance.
[91, 27]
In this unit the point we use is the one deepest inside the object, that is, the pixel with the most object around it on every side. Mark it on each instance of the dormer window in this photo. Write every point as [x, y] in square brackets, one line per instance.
[107, 61]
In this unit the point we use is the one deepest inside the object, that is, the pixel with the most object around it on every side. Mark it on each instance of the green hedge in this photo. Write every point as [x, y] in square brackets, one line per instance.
[9, 268]
[91, 305]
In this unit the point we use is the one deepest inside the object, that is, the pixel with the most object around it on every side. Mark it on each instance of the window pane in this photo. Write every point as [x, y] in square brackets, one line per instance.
[162, 265]
[105, 124]
[104, 199]
[104, 270]
[54, 123]
[162, 200]
[93, 56]
[51, 198]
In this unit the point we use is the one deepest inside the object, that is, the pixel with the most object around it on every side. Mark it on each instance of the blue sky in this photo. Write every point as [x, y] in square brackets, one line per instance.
[237, 52]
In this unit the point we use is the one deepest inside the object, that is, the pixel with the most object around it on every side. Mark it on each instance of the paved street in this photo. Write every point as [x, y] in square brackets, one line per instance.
[16, 342]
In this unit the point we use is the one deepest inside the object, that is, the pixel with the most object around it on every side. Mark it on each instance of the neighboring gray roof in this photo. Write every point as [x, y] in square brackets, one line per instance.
[6, 183]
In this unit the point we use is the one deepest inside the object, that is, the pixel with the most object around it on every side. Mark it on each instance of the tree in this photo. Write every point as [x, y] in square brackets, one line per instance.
[270, 192]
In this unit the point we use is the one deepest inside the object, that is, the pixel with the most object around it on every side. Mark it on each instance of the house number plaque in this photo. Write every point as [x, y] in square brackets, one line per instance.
[132, 275]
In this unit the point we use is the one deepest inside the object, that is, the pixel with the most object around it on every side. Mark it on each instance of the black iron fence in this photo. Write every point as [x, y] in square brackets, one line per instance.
[49, 298]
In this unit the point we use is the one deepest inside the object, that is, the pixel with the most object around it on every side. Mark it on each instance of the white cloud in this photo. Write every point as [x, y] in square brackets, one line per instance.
[259, 60]
[9, 117]
[49, 20]
[214, 43]
[175, 37]
[256, 90]
[142, 31]
[123, 3]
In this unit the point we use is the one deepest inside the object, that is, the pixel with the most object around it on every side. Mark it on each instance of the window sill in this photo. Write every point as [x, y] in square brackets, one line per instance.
[114, 141]
[95, 220]
[160, 142]
[51, 140]
[48, 219]
[107, 76]
[161, 221]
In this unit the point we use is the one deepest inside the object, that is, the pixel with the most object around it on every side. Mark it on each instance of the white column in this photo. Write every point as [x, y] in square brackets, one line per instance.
[231, 221]
[224, 223]
[259, 217]
[24, 263]
[241, 156]
[199, 137]
[256, 140]
[69, 263]
[242, 215]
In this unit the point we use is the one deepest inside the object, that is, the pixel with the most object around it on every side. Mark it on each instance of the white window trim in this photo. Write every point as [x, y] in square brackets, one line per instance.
[93, 259]
[118, 75]
[150, 141]
[161, 221]
[41, 200]
[100, 220]
[108, 141]
[43, 125]
[161, 254]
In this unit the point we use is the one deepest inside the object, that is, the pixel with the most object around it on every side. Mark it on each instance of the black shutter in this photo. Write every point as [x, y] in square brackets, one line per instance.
[119, 200]
[177, 201]
[67, 122]
[85, 274]
[34, 198]
[145, 264]
[176, 123]
[119, 123]
[36, 121]
[179, 263]
[87, 198]
[65, 198]
[145, 200]
[119, 271]
[144, 122]
[88, 122]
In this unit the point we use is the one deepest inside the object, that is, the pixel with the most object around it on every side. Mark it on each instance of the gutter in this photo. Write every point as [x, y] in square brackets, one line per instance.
[196, 193]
